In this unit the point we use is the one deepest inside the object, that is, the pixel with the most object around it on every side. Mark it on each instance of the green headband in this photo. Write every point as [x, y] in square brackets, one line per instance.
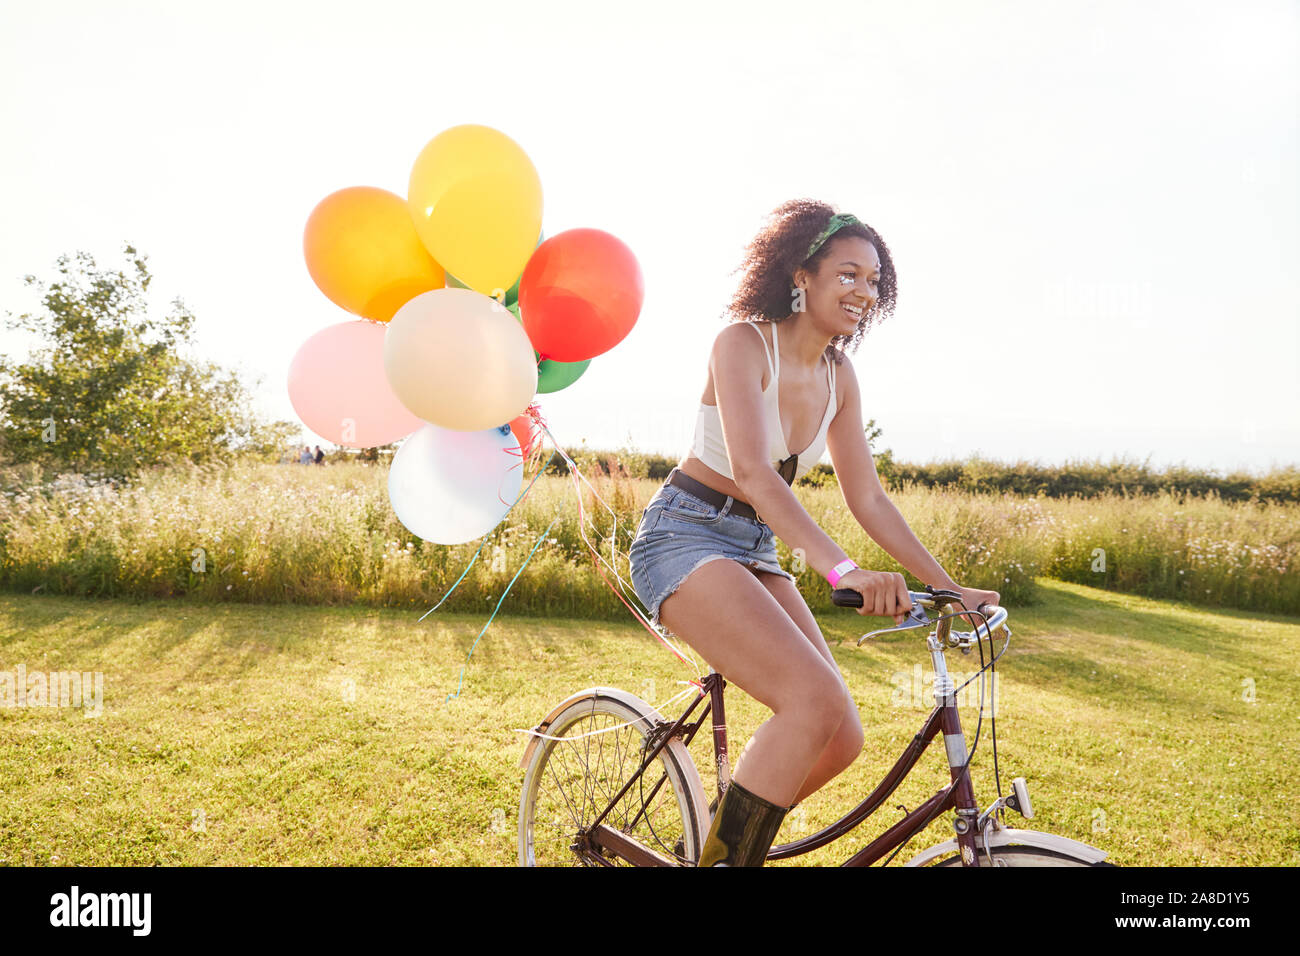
[838, 222]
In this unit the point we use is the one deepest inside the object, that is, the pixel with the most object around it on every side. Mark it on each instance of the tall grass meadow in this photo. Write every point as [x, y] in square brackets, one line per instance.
[266, 533]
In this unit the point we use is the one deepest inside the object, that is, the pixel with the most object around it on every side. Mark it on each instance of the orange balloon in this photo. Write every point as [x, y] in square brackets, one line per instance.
[363, 252]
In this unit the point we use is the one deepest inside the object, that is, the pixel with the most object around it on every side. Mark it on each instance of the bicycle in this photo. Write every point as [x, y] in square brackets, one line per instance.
[604, 809]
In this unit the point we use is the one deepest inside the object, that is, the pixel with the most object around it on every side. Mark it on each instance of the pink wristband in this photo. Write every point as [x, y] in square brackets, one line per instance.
[841, 569]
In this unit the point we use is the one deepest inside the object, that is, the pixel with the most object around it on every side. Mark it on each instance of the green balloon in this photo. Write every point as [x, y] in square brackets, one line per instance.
[553, 376]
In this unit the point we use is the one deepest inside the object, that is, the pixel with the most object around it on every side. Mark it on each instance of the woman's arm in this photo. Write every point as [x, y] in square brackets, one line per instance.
[860, 484]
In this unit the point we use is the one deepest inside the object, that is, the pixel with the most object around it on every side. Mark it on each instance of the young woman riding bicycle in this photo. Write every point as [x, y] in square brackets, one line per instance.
[704, 558]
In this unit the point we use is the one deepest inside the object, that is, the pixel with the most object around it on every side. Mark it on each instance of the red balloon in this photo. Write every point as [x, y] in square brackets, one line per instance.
[525, 431]
[580, 294]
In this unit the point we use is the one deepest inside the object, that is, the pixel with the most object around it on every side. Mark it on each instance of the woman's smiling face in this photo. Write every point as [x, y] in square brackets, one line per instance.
[845, 286]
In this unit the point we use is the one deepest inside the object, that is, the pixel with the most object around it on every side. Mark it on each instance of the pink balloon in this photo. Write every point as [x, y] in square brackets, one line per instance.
[339, 389]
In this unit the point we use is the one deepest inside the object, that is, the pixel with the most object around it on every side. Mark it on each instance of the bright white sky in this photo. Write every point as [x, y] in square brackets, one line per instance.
[1092, 205]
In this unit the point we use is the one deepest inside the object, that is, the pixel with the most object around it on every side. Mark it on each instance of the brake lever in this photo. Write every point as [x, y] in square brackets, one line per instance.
[915, 618]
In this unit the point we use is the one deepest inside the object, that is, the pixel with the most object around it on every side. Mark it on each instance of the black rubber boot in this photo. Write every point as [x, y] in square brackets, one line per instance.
[743, 829]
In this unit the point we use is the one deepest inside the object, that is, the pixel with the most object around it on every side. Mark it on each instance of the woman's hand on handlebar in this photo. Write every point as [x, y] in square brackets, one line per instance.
[884, 593]
[973, 599]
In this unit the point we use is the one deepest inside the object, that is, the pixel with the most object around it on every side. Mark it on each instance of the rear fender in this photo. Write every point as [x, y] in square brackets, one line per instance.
[631, 700]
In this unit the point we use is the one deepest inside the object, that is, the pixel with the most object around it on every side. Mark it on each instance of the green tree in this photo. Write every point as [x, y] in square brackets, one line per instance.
[110, 393]
[884, 458]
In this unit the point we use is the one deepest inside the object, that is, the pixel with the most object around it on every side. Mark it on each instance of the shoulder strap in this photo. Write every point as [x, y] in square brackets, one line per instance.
[770, 367]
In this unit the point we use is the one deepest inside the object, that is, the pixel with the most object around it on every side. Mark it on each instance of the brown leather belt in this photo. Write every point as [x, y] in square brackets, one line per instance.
[715, 498]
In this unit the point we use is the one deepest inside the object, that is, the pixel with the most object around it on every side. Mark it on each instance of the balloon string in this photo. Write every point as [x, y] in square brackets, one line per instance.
[536, 545]
[535, 432]
[458, 580]
[640, 617]
[599, 560]
[508, 472]
[576, 473]
[521, 497]
[534, 443]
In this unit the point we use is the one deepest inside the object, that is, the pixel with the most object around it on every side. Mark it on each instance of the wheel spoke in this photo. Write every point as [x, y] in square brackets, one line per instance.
[573, 811]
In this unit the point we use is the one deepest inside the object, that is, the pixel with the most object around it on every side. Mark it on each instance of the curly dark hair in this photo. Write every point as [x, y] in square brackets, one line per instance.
[773, 255]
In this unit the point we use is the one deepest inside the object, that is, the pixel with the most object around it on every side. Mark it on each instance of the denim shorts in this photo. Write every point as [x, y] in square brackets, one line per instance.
[679, 532]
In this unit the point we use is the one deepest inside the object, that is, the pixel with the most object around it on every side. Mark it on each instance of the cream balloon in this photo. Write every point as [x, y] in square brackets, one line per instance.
[449, 487]
[458, 359]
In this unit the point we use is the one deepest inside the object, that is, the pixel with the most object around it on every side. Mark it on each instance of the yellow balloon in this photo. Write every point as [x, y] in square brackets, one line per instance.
[363, 252]
[458, 359]
[476, 201]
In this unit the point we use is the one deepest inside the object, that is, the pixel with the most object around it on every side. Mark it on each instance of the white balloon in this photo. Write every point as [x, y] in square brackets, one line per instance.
[449, 487]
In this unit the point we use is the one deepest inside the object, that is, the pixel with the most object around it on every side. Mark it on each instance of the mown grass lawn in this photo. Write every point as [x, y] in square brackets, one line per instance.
[242, 734]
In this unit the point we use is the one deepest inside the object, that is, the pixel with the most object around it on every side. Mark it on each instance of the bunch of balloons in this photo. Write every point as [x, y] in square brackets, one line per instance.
[467, 311]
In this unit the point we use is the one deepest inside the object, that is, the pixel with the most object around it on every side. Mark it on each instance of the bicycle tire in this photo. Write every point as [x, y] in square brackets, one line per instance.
[568, 784]
[1022, 856]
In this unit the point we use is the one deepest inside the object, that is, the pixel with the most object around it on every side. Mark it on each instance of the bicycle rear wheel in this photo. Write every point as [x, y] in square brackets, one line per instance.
[570, 781]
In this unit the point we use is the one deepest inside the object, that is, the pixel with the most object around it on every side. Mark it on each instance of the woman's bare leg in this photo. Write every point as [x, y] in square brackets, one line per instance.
[724, 613]
[846, 746]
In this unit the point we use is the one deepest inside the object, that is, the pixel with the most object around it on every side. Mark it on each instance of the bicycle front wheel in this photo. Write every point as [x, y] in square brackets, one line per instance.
[1022, 856]
[570, 781]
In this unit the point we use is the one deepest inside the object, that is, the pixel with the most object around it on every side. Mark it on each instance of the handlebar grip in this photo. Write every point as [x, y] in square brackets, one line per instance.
[846, 597]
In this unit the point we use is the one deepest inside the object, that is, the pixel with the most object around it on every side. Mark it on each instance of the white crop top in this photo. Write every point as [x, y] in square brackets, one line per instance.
[710, 447]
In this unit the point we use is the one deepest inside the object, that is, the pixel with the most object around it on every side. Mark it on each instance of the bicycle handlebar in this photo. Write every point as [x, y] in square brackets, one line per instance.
[847, 597]
[928, 599]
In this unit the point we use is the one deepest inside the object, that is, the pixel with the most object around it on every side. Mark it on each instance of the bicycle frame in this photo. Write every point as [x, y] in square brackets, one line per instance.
[958, 795]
